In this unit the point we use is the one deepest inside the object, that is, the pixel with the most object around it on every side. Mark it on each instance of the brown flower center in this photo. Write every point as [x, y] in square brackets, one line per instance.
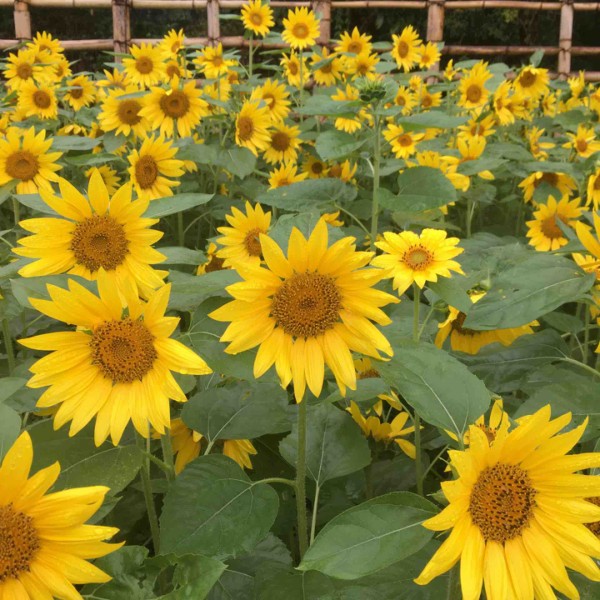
[269, 99]
[527, 79]
[403, 49]
[581, 145]
[551, 229]
[128, 112]
[175, 105]
[293, 67]
[597, 183]
[502, 502]
[146, 172]
[99, 241]
[405, 140]
[300, 30]
[173, 70]
[42, 99]
[214, 264]
[245, 128]
[24, 71]
[256, 19]
[327, 68]
[123, 350]
[22, 165]
[144, 65]
[474, 93]
[252, 242]
[401, 100]
[457, 325]
[550, 178]
[426, 101]
[335, 171]
[368, 374]
[317, 167]
[280, 141]
[593, 527]
[307, 305]
[417, 258]
[19, 543]
[355, 47]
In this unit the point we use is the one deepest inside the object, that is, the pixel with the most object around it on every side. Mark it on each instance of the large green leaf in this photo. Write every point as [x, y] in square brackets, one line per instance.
[334, 145]
[189, 291]
[73, 142]
[9, 386]
[370, 536]
[35, 202]
[311, 193]
[161, 207]
[238, 161]
[535, 286]
[431, 118]
[215, 509]
[440, 388]
[335, 445]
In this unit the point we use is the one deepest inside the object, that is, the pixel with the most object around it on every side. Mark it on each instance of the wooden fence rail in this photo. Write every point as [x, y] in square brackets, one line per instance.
[121, 16]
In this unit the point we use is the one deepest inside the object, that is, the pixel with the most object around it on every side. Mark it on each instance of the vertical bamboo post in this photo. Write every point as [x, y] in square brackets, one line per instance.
[565, 38]
[121, 13]
[435, 24]
[22, 20]
[213, 22]
[322, 8]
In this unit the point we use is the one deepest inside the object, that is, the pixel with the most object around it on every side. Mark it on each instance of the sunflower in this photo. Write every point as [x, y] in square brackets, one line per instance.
[409, 257]
[94, 233]
[38, 100]
[518, 511]
[116, 365]
[591, 244]
[544, 231]
[121, 113]
[257, 17]
[473, 93]
[284, 175]
[22, 68]
[406, 99]
[333, 219]
[46, 544]
[61, 69]
[354, 43]
[362, 65]
[498, 421]
[326, 68]
[176, 69]
[345, 171]
[509, 104]
[24, 156]
[562, 182]
[216, 95]
[447, 165]
[308, 310]
[283, 145]
[406, 50]
[273, 93]
[81, 92]
[532, 82]
[584, 142]
[115, 79]
[471, 148]
[348, 124]
[296, 75]
[429, 55]
[471, 341]
[147, 67]
[241, 240]
[44, 42]
[382, 431]
[536, 147]
[315, 168]
[153, 166]
[301, 28]
[450, 72]
[172, 43]
[175, 107]
[252, 127]
[213, 262]
[478, 128]
[212, 63]
[109, 176]
[404, 143]
[593, 189]
[429, 99]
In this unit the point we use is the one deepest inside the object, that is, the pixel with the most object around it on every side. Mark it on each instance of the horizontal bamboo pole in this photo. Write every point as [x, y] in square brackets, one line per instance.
[88, 44]
[508, 50]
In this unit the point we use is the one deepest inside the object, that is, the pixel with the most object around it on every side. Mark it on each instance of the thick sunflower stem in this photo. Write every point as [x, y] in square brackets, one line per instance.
[301, 481]
[376, 164]
[453, 592]
[167, 451]
[417, 419]
[144, 445]
[315, 512]
[16, 211]
[8, 345]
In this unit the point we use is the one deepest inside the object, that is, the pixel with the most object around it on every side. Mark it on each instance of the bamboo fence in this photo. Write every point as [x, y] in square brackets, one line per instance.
[121, 16]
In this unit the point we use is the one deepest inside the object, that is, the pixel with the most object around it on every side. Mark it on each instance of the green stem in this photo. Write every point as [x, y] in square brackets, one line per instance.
[587, 368]
[10, 351]
[416, 307]
[167, 451]
[209, 448]
[375, 200]
[313, 524]
[353, 217]
[144, 445]
[586, 335]
[289, 482]
[470, 212]
[301, 481]
[16, 211]
[417, 419]
[180, 230]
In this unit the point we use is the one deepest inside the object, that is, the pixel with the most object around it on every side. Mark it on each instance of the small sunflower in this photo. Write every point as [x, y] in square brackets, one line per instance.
[584, 142]
[404, 143]
[24, 156]
[146, 67]
[591, 243]
[94, 233]
[354, 43]
[406, 48]
[176, 108]
[315, 168]
[537, 147]
[241, 240]
[326, 68]
[213, 262]
[348, 124]
[284, 175]
[478, 128]
[61, 69]
[38, 100]
[116, 365]
[345, 171]
[46, 544]
[257, 17]
[153, 168]
[497, 424]
[212, 62]
[593, 189]
[273, 93]
[362, 65]
[473, 93]
[22, 68]
[172, 43]
[544, 231]
[471, 341]
[252, 127]
[308, 310]
[518, 512]
[429, 55]
[409, 257]
[175, 69]
[428, 100]
[120, 112]
[561, 181]
[406, 99]
[111, 180]
[301, 28]
[81, 92]
[532, 81]
[296, 75]
[283, 145]
[44, 42]
[508, 103]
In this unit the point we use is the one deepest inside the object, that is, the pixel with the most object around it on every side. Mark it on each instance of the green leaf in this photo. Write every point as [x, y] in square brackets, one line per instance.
[319, 104]
[370, 536]
[9, 386]
[334, 145]
[537, 285]
[189, 291]
[440, 388]
[238, 161]
[241, 412]
[36, 287]
[64, 143]
[6, 190]
[88, 160]
[213, 507]
[112, 142]
[472, 167]
[174, 204]
[311, 193]
[10, 427]
[335, 445]
[176, 255]
[452, 293]
[431, 119]
[35, 202]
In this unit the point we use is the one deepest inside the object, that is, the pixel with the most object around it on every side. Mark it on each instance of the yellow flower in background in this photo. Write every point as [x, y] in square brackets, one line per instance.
[175, 69]
[406, 99]
[285, 175]
[315, 168]
[410, 258]
[301, 28]
[473, 93]
[273, 93]
[517, 512]
[593, 190]
[81, 92]
[591, 244]
[212, 63]
[25, 156]
[447, 165]
[497, 425]
[220, 91]
[532, 81]
[177, 108]
[348, 124]
[308, 310]
[172, 42]
[44, 42]
[584, 142]
[327, 68]
[538, 148]
[213, 262]
[146, 67]
[240, 451]
[241, 239]
[478, 128]
[471, 341]
[429, 55]
[116, 366]
[403, 143]
[22, 68]
[428, 99]
[354, 43]
[115, 79]
[111, 180]
[61, 69]
[362, 65]
[38, 100]
[450, 72]
[93, 234]
[471, 148]
[284, 144]
[332, 219]
[406, 48]
[252, 127]
[345, 171]
[296, 76]
[121, 112]
[561, 181]
[544, 231]
[154, 169]
[257, 17]
[46, 544]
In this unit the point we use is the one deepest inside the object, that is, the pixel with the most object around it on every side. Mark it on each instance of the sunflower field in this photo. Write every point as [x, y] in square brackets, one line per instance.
[301, 324]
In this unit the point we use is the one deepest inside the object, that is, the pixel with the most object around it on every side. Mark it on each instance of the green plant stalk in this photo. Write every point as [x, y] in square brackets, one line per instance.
[417, 418]
[375, 200]
[144, 445]
[10, 351]
[16, 211]
[301, 481]
[180, 230]
[315, 511]
[586, 335]
[167, 452]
